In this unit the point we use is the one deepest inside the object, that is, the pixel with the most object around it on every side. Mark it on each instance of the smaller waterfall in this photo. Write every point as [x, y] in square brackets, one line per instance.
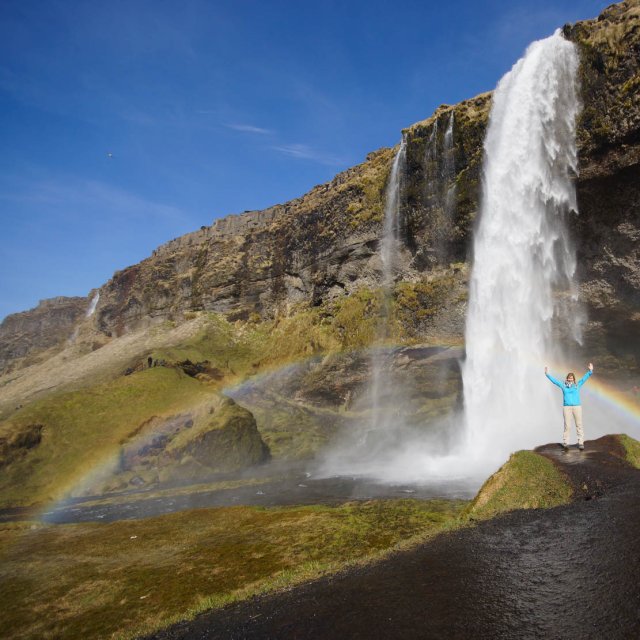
[389, 249]
[367, 446]
[439, 181]
[448, 171]
[93, 304]
[390, 243]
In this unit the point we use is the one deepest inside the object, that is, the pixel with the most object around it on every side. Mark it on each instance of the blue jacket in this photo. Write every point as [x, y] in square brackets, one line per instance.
[570, 392]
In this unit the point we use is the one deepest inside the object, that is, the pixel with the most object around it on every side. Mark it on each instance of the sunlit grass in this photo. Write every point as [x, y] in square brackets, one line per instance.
[632, 449]
[129, 577]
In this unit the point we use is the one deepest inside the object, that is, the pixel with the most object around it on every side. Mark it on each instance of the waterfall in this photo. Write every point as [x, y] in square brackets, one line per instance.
[439, 183]
[390, 242]
[448, 171]
[382, 422]
[365, 449]
[522, 254]
[93, 304]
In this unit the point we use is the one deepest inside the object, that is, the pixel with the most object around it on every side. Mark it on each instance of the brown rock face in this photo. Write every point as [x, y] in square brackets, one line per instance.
[607, 230]
[48, 325]
[321, 245]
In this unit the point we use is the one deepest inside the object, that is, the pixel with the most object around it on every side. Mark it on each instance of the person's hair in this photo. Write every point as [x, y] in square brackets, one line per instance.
[571, 375]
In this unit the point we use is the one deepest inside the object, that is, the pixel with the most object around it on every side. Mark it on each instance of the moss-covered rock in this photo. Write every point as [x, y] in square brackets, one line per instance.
[632, 449]
[526, 481]
[227, 441]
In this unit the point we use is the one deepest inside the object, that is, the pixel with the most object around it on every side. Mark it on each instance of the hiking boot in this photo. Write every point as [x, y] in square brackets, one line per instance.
[581, 447]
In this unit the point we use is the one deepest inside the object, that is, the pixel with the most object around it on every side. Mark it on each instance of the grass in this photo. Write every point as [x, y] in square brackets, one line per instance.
[526, 481]
[632, 449]
[83, 428]
[131, 577]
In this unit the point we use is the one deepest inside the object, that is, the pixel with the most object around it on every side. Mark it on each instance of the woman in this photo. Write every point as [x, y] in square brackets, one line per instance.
[571, 401]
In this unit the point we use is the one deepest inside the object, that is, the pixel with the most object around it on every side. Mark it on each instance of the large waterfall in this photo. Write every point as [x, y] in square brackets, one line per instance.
[521, 290]
[523, 259]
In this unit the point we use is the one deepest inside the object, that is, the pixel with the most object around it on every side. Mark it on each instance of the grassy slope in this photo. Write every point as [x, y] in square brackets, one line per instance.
[130, 577]
[83, 428]
[95, 407]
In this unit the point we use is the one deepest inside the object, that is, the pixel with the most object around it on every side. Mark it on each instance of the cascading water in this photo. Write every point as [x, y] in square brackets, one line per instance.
[448, 170]
[93, 304]
[389, 245]
[381, 422]
[366, 446]
[439, 183]
[522, 255]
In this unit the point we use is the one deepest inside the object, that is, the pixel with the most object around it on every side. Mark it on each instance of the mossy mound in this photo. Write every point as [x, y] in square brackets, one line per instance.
[632, 449]
[228, 441]
[526, 481]
[80, 432]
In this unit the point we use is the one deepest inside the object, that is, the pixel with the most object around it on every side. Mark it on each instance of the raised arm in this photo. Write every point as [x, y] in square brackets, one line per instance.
[554, 380]
[586, 376]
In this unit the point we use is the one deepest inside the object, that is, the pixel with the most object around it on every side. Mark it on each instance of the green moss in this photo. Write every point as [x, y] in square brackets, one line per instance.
[83, 428]
[355, 318]
[526, 481]
[369, 189]
[131, 577]
[632, 449]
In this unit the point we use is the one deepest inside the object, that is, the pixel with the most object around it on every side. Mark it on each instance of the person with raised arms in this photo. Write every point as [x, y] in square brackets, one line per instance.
[572, 407]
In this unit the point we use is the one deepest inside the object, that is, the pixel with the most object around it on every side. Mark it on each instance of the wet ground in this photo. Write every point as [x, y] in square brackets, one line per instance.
[572, 572]
[291, 486]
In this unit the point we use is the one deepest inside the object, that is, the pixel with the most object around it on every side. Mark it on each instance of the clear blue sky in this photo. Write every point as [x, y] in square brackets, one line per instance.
[213, 107]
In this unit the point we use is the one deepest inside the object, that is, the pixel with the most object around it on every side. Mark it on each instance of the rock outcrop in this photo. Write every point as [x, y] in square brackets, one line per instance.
[607, 230]
[299, 408]
[324, 245]
[50, 324]
[184, 449]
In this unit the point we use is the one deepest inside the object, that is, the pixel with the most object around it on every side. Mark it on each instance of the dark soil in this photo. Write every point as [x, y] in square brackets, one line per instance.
[572, 572]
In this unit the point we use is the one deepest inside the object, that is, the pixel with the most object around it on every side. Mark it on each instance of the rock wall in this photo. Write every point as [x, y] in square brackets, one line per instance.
[50, 324]
[607, 229]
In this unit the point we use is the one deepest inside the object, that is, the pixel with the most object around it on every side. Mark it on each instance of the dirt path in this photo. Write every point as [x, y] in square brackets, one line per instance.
[572, 572]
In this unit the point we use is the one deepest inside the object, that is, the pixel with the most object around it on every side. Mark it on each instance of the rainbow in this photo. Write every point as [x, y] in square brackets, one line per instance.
[625, 404]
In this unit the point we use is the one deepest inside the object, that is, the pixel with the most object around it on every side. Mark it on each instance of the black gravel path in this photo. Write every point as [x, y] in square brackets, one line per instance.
[572, 572]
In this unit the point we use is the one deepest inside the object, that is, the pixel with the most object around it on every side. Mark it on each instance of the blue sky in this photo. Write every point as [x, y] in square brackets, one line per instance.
[126, 124]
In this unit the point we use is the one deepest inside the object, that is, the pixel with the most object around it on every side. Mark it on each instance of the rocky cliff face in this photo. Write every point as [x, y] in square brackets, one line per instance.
[607, 231]
[50, 324]
[324, 245]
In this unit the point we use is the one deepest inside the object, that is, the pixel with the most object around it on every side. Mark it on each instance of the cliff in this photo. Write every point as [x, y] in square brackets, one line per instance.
[50, 324]
[324, 246]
